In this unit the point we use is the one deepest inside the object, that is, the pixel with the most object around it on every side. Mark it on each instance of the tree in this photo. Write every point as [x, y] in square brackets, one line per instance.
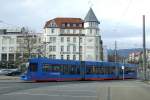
[28, 43]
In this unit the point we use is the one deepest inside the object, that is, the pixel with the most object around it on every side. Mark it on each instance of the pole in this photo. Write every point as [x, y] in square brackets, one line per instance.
[79, 48]
[144, 49]
[115, 51]
[81, 69]
[123, 74]
[116, 58]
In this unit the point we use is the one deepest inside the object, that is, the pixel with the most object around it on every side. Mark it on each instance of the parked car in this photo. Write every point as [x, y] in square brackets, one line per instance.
[14, 73]
[4, 71]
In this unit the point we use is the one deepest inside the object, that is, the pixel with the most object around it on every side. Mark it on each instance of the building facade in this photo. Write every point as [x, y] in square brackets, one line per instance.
[15, 45]
[74, 38]
[137, 57]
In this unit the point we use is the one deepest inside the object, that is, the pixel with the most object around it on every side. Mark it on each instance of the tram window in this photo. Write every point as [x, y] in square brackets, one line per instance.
[109, 70]
[71, 69]
[56, 68]
[51, 68]
[33, 67]
[129, 70]
[47, 68]
[77, 69]
[93, 70]
[65, 69]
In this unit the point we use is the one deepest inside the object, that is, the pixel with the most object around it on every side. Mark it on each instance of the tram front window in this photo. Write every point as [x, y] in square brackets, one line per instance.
[33, 67]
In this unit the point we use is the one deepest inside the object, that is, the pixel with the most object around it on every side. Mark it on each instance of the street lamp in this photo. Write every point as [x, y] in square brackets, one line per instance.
[122, 67]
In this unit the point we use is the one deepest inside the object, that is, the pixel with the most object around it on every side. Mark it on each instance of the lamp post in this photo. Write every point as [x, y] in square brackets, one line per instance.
[122, 72]
[144, 49]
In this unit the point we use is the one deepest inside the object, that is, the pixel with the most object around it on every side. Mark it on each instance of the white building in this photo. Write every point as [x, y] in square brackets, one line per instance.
[13, 45]
[8, 43]
[69, 38]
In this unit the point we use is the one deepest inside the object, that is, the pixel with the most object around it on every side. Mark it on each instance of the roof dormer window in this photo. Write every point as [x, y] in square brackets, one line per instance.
[80, 25]
[74, 25]
[63, 25]
[68, 25]
[53, 24]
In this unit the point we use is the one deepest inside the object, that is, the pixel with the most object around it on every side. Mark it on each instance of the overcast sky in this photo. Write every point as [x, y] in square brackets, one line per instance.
[121, 20]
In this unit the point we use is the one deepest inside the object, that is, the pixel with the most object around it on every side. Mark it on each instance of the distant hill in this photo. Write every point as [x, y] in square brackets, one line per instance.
[124, 52]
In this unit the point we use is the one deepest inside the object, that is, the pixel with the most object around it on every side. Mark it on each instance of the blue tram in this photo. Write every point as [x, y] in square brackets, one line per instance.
[44, 69]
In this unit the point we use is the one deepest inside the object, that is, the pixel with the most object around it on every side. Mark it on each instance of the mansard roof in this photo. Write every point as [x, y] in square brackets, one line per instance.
[63, 20]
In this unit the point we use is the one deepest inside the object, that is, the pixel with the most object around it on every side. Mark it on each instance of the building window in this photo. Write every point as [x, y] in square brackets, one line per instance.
[74, 25]
[51, 39]
[96, 57]
[62, 31]
[80, 25]
[91, 31]
[62, 48]
[97, 31]
[62, 57]
[65, 31]
[74, 48]
[74, 57]
[51, 56]
[68, 57]
[68, 39]
[80, 48]
[63, 25]
[4, 49]
[11, 41]
[54, 48]
[90, 24]
[74, 39]
[80, 57]
[81, 40]
[52, 30]
[68, 25]
[4, 41]
[80, 31]
[54, 56]
[54, 39]
[50, 48]
[11, 49]
[4, 57]
[62, 39]
[11, 57]
[74, 31]
[68, 48]
[68, 31]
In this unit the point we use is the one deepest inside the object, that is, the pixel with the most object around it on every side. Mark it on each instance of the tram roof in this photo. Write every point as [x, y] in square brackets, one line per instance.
[96, 63]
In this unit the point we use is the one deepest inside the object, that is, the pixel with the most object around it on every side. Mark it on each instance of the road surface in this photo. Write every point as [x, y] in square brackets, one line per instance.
[78, 90]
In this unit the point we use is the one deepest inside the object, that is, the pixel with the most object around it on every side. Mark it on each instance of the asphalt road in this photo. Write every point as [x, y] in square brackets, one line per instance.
[78, 90]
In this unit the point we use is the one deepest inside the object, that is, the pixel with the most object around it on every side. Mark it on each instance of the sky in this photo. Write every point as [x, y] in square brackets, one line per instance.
[120, 20]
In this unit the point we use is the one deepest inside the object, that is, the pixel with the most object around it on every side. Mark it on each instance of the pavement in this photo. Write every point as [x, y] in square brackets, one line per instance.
[76, 90]
[2, 77]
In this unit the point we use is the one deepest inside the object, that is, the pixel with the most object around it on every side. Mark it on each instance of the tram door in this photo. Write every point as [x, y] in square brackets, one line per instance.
[33, 70]
[82, 69]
